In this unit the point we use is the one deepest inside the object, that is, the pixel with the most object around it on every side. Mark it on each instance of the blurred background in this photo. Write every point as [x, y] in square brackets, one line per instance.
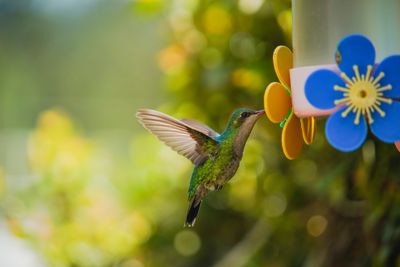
[82, 184]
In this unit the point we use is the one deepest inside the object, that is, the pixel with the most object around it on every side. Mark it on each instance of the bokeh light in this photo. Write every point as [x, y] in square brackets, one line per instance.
[250, 6]
[275, 205]
[187, 242]
[317, 225]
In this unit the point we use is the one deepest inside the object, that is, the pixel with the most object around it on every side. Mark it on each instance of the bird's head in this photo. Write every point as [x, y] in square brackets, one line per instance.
[240, 126]
[244, 118]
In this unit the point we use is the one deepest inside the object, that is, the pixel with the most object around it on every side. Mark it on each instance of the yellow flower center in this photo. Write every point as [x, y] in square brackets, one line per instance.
[363, 94]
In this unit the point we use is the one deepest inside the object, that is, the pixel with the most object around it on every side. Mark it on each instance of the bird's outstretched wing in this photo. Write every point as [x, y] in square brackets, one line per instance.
[200, 127]
[187, 137]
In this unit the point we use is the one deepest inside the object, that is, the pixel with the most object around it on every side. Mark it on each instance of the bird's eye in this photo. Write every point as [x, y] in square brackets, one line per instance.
[244, 115]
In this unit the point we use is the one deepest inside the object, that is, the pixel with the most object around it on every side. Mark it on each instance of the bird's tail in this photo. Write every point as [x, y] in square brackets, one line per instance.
[193, 210]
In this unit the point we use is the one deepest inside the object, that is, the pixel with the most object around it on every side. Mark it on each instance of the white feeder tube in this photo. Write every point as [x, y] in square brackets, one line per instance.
[318, 26]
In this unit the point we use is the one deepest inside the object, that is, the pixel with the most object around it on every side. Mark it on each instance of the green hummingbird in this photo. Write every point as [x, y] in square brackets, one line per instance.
[216, 156]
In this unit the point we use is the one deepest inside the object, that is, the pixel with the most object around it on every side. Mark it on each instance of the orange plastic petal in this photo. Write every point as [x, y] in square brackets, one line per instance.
[292, 138]
[308, 129]
[277, 102]
[283, 62]
[398, 145]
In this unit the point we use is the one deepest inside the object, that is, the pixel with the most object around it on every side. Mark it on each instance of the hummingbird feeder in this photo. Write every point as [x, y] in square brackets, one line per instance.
[345, 66]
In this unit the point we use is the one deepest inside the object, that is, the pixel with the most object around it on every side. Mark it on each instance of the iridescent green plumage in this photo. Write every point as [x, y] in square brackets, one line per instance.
[216, 157]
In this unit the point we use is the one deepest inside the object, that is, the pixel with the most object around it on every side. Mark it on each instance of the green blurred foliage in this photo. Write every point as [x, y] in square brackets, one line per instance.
[95, 198]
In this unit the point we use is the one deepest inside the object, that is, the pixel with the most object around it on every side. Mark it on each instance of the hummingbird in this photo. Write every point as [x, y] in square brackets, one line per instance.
[216, 156]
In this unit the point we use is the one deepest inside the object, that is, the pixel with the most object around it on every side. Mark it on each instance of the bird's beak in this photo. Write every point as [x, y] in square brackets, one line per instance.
[260, 112]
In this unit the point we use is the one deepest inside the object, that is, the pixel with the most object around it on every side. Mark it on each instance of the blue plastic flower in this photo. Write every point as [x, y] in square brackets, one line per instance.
[364, 94]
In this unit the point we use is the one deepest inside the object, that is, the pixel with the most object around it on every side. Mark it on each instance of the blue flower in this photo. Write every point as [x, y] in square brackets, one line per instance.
[363, 93]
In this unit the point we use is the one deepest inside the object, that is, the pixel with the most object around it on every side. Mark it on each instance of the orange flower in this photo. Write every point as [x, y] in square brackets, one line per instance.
[278, 107]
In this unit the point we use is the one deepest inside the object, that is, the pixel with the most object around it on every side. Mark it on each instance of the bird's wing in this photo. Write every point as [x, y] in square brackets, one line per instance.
[201, 127]
[194, 142]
